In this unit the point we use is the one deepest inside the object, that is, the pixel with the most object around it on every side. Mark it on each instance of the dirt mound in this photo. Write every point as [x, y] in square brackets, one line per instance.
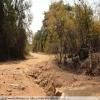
[44, 75]
[54, 80]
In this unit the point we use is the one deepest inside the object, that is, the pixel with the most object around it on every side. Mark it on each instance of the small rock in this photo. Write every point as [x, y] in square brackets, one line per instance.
[3, 81]
[18, 68]
[58, 93]
[50, 90]
[10, 94]
[9, 90]
[1, 94]
[40, 67]
[22, 87]
[17, 86]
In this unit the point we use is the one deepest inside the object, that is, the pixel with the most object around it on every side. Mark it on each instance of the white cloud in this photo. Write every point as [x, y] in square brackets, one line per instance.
[37, 10]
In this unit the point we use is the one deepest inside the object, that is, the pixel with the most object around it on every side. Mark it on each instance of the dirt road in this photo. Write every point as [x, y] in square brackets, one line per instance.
[33, 77]
[13, 78]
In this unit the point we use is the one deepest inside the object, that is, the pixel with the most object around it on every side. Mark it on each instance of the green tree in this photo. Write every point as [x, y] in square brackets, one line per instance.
[13, 28]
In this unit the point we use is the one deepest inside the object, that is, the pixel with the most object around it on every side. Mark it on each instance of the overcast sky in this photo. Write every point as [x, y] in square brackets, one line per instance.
[38, 8]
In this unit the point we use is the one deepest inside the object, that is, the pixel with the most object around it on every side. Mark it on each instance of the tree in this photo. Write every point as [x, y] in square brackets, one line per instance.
[39, 40]
[84, 23]
[13, 33]
[69, 31]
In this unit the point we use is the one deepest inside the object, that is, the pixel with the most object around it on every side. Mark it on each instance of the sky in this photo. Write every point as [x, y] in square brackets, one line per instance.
[40, 6]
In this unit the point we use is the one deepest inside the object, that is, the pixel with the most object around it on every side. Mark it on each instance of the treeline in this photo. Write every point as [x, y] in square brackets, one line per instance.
[14, 21]
[68, 31]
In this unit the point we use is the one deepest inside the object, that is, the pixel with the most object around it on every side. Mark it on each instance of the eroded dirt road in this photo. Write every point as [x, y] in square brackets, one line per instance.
[13, 78]
[34, 77]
